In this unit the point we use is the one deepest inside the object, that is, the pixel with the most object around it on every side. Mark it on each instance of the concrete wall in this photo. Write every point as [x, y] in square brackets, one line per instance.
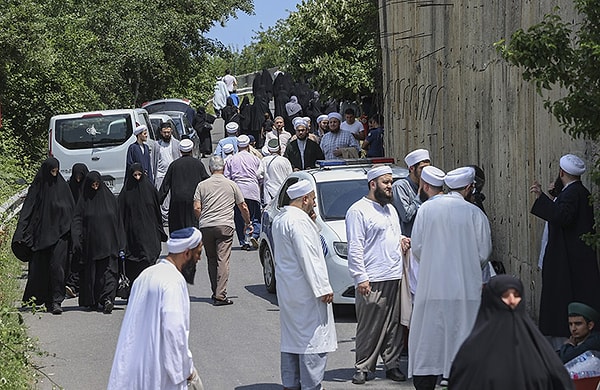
[448, 90]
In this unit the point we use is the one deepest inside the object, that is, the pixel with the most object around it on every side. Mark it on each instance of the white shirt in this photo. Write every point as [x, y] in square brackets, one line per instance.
[354, 128]
[152, 351]
[307, 325]
[273, 169]
[451, 240]
[230, 82]
[374, 237]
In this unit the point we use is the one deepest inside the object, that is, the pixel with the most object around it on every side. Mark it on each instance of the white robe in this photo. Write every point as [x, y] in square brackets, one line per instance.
[451, 240]
[307, 325]
[152, 351]
[273, 169]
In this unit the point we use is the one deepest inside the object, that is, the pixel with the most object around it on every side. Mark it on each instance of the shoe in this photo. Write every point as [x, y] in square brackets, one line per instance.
[254, 242]
[56, 309]
[359, 378]
[246, 247]
[69, 292]
[395, 374]
[108, 306]
[222, 302]
[444, 382]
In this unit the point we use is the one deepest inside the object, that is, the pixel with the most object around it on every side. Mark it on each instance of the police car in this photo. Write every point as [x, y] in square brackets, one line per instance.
[337, 184]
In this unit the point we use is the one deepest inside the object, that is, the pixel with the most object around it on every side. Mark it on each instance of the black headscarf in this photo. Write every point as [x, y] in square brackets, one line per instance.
[79, 170]
[46, 214]
[505, 349]
[97, 231]
[142, 220]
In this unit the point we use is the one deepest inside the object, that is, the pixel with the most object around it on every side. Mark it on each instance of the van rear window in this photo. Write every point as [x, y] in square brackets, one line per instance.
[93, 131]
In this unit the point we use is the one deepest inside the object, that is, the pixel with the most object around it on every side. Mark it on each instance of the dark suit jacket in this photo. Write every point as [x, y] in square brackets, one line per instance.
[312, 153]
[134, 155]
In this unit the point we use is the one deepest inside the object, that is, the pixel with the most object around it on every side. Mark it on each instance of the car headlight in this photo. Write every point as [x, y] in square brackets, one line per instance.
[341, 249]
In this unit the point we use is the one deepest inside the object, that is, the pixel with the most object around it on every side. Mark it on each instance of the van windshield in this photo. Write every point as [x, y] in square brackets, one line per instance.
[93, 131]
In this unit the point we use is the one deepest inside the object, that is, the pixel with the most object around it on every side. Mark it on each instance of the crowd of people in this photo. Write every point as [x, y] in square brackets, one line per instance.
[418, 251]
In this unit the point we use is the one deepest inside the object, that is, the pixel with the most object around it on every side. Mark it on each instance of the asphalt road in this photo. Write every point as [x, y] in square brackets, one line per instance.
[234, 347]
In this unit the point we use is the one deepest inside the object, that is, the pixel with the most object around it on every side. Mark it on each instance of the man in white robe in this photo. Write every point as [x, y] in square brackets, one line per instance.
[153, 351]
[451, 240]
[273, 170]
[303, 292]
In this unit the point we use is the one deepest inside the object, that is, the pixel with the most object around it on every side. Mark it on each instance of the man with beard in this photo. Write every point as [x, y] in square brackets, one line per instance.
[279, 134]
[139, 152]
[338, 144]
[375, 246]
[153, 348]
[181, 180]
[322, 126]
[303, 152]
[165, 152]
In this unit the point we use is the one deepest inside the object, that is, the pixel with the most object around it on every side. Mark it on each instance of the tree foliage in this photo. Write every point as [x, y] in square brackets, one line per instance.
[67, 56]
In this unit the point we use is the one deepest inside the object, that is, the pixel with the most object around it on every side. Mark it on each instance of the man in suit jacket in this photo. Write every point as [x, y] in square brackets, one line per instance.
[303, 152]
[139, 152]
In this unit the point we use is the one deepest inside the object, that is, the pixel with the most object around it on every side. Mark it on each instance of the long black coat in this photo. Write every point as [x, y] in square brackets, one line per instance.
[312, 153]
[570, 272]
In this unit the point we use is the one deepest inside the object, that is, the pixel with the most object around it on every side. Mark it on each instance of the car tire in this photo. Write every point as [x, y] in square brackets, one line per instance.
[268, 269]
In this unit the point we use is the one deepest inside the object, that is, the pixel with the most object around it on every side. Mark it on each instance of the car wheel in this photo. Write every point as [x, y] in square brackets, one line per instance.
[268, 270]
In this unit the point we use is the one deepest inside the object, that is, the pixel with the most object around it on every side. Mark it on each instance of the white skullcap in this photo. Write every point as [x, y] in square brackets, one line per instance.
[335, 115]
[301, 188]
[433, 176]
[375, 172]
[416, 156]
[459, 177]
[243, 141]
[306, 118]
[228, 148]
[265, 150]
[186, 145]
[296, 122]
[232, 127]
[572, 164]
[182, 239]
[273, 145]
[140, 129]
[321, 117]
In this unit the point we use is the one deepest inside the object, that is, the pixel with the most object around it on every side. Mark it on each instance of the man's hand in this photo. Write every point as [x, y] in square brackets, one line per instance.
[337, 153]
[249, 229]
[327, 298]
[536, 189]
[405, 244]
[364, 288]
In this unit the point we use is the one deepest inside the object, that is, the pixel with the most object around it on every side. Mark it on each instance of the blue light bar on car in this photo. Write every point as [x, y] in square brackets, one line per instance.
[355, 161]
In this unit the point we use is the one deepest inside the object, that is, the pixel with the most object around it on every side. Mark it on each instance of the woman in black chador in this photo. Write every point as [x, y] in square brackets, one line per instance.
[97, 234]
[142, 221]
[505, 349]
[78, 173]
[42, 236]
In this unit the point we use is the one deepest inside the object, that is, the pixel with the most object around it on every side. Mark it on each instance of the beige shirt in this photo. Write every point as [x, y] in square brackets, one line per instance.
[218, 197]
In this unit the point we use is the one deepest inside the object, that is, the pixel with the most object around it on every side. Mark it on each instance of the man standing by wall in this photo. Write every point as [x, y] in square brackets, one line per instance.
[570, 270]
[375, 246]
[230, 81]
[451, 241]
[139, 152]
[303, 292]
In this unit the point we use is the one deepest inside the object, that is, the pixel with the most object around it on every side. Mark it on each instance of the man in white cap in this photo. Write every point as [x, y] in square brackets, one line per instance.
[231, 129]
[153, 350]
[451, 241]
[338, 144]
[570, 271]
[242, 168]
[181, 179]
[273, 170]
[375, 246]
[166, 150]
[139, 152]
[229, 151]
[279, 133]
[322, 125]
[303, 292]
[214, 202]
[406, 199]
[302, 152]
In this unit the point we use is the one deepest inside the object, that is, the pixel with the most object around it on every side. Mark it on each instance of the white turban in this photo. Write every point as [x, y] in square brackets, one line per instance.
[375, 172]
[301, 188]
[232, 127]
[459, 177]
[243, 141]
[572, 164]
[335, 115]
[186, 145]
[140, 129]
[321, 117]
[228, 148]
[433, 176]
[416, 156]
[182, 239]
[299, 122]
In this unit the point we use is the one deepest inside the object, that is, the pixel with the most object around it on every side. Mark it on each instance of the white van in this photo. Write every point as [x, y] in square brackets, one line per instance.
[99, 139]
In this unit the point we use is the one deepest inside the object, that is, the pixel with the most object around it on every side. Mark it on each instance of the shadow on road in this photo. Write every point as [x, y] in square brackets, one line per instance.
[260, 386]
[260, 291]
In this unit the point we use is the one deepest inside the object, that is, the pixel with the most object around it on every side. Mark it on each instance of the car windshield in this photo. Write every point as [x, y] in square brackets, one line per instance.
[93, 131]
[336, 197]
